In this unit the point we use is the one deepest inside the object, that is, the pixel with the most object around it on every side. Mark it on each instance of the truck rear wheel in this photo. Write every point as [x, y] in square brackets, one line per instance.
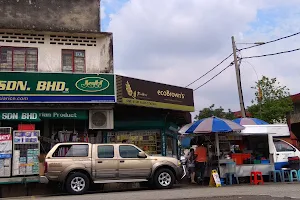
[77, 183]
[164, 178]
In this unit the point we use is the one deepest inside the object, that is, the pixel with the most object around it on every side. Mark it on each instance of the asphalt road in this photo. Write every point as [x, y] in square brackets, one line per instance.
[240, 192]
[241, 198]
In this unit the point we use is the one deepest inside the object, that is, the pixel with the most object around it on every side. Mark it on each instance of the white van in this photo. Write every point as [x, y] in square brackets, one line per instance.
[280, 149]
[283, 150]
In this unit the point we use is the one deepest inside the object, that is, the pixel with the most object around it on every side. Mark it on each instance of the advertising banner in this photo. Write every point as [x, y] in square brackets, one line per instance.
[31, 87]
[150, 94]
[5, 146]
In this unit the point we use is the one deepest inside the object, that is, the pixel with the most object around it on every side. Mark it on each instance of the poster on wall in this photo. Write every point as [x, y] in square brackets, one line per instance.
[5, 146]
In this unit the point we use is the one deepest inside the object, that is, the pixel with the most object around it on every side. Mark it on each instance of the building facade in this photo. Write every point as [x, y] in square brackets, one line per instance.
[150, 114]
[57, 82]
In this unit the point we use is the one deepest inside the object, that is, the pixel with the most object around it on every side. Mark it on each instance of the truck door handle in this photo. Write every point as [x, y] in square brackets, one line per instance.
[122, 161]
[99, 161]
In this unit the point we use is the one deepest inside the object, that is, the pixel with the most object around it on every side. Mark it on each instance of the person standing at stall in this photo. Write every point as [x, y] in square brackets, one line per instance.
[201, 160]
[191, 164]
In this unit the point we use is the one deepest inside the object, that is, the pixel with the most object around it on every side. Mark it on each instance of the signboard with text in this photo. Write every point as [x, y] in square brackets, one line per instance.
[31, 87]
[5, 146]
[150, 94]
[33, 116]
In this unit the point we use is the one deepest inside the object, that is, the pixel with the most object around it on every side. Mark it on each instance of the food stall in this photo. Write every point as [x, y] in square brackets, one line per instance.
[250, 150]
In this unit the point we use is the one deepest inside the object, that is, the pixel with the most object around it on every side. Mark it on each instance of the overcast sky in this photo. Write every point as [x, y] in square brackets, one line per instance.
[176, 41]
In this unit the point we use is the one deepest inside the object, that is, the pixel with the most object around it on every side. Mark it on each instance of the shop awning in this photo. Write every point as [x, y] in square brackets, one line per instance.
[277, 130]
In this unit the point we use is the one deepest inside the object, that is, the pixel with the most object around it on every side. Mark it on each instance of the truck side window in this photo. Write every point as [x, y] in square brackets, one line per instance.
[282, 146]
[75, 150]
[127, 151]
[106, 151]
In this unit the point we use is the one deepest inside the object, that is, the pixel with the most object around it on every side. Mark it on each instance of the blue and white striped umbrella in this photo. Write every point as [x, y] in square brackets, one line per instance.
[211, 125]
[249, 121]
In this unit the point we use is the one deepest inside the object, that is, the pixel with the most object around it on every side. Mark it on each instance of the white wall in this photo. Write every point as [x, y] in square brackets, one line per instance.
[98, 56]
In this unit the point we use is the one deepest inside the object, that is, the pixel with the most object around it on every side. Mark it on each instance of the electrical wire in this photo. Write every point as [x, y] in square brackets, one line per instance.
[214, 76]
[271, 54]
[271, 41]
[209, 70]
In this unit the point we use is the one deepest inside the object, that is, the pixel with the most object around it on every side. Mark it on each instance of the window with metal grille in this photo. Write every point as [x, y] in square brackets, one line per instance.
[73, 61]
[18, 59]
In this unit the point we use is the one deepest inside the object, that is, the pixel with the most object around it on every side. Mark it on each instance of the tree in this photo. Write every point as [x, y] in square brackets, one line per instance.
[218, 112]
[272, 101]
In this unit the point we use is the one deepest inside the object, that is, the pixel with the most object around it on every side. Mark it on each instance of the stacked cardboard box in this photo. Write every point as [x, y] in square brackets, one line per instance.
[23, 162]
[16, 162]
[2, 167]
[7, 167]
[35, 167]
[32, 161]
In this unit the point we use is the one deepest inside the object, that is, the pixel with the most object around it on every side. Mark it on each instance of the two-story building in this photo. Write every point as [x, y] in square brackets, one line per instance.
[294, 120]
[57, 84]
[56, 79]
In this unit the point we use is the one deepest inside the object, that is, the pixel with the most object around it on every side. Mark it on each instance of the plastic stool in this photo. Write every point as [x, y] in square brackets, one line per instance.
[256, 178]
[294, 175]
[229, 180]
[299, 175]
[273, 175]
[285, 173]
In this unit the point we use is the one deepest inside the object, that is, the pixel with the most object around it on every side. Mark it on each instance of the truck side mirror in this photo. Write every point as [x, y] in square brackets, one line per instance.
[142, 155]
[294, 149]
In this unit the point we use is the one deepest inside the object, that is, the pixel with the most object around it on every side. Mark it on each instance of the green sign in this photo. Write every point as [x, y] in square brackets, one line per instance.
[63, 115]
[35, 116]
[20, 115]
[22, 87]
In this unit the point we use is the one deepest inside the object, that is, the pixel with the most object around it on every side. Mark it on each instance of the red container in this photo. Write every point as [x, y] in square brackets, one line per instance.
[237, 158]
[246, 156]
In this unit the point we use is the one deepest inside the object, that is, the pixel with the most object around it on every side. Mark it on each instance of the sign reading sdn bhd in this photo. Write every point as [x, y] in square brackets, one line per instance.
[150, 94]
[27, 87]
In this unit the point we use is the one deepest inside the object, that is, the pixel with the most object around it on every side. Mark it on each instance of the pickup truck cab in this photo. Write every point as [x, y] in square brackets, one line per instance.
[78, 165]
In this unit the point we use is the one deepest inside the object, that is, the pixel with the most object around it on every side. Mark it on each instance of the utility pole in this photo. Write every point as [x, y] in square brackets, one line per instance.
[238, 78]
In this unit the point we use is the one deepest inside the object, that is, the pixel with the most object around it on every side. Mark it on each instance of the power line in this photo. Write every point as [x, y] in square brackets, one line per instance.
[271, 54]
[214, 76]
[209, 70]
[270, 41]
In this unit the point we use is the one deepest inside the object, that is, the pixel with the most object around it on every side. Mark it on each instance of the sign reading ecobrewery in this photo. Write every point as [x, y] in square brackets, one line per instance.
[27, 87]
[33, 116]
[150, 94]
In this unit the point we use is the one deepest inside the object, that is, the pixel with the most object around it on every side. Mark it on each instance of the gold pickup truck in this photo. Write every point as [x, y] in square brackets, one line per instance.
[78, 165]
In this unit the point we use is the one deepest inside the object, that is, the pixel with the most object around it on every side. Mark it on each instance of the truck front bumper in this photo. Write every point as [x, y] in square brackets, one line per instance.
[44, 180]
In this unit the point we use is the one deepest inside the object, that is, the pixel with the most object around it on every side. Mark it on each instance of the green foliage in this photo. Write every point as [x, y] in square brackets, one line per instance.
[218, 112]
[275, 103]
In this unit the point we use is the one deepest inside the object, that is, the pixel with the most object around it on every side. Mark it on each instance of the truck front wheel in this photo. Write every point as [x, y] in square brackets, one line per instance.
[77, 183]
[164, 178]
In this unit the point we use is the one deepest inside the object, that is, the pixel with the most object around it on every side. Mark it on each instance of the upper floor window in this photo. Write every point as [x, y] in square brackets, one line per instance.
[73, 61]
[18, 59]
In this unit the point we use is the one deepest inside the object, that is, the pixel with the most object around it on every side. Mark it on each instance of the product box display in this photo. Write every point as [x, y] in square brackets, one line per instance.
[5, 151]
[26, 149]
